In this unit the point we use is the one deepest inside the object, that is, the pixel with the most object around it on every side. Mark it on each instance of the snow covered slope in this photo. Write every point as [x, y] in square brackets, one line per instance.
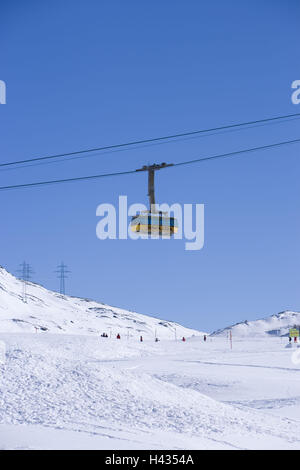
[275, 325]
[49, 311]
[72, 390]
[75, 391]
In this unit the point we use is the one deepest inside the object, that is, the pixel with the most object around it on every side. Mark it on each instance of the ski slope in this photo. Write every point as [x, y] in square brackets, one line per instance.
[62, 386]
[74, 391]
[52, 312]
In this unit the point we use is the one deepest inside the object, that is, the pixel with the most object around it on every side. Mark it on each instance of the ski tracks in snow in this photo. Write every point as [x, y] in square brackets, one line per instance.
[126, 401]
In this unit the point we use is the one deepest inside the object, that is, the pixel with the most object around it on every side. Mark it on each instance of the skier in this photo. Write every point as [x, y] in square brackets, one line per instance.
[141, 339]
[183, 338]
[204, 337]
[118, 336]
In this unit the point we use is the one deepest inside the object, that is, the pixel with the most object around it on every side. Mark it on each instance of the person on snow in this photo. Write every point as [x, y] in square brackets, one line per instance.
[118, 336]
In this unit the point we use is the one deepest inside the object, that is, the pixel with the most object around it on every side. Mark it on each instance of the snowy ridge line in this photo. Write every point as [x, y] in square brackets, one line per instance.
[275, 325]
[49, 311]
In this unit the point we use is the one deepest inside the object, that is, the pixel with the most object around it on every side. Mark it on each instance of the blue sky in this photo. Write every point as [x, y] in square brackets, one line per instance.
[86, 74]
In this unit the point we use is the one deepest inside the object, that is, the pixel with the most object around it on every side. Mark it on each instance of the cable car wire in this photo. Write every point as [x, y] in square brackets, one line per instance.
[189, 162]
[151, 140]
[138, 147]
[232, 154]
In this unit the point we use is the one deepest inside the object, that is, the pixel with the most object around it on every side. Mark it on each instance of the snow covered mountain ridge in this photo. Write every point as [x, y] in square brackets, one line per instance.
[48, 311]
[275, 325]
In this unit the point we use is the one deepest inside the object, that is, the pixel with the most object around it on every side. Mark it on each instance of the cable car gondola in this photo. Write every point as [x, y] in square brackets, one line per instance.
[156, 223]
[153, 222]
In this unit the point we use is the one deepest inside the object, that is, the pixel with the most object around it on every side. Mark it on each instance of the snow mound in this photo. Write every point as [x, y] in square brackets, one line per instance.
[48, 311]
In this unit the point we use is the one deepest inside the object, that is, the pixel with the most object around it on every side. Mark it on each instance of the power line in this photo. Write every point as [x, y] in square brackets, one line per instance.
[154, 139]
[121, 173]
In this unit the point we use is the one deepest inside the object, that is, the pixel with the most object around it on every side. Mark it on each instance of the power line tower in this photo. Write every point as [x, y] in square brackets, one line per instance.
[62, 275]
[26, 272]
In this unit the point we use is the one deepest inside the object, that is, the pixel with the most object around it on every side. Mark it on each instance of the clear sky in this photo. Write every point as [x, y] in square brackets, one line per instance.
[82, 74]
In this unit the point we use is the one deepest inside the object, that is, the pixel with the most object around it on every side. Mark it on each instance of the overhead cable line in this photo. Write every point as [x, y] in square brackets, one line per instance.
[138, 147]
[150, 140]
[121, 173]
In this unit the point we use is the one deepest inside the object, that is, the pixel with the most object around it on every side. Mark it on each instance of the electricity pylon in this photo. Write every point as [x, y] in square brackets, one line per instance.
[26, 272]
[62, 275]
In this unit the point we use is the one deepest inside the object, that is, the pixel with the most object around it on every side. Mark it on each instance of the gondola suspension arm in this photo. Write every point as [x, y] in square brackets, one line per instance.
[151, 188]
